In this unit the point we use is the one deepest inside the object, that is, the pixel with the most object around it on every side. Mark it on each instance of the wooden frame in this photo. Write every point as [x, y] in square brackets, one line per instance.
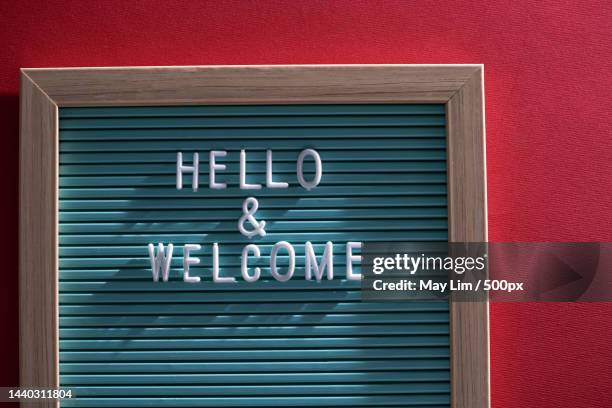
[43, 91]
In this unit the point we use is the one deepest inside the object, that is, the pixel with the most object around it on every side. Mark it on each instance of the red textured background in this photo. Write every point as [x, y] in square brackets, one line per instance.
[547, 79]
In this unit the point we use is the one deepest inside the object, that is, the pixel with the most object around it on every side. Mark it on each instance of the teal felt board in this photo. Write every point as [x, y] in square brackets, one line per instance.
[126, 341]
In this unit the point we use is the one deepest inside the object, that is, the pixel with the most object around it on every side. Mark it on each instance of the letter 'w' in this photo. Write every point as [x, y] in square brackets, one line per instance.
[161, 260]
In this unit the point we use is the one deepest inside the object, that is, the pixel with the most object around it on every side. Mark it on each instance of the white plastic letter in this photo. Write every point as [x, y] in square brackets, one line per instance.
[216, 277]
[244, 268]
[161, 260]
[194, 170]
[243, 183]
[269, 182]
[327, 261]
[187, 260]
[213, 166]
[350, 258]
[291, 269]
[308, 185]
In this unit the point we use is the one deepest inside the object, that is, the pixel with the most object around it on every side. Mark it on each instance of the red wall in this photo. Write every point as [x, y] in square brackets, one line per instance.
[547, 78]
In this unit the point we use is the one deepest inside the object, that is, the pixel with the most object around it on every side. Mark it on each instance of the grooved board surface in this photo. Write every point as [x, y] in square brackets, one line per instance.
[128, 341]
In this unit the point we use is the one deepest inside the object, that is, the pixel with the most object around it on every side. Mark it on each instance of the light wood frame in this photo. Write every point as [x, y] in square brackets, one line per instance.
[43, 91]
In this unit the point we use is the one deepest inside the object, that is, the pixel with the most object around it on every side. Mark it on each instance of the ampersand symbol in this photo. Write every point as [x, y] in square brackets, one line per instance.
[249, 207]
